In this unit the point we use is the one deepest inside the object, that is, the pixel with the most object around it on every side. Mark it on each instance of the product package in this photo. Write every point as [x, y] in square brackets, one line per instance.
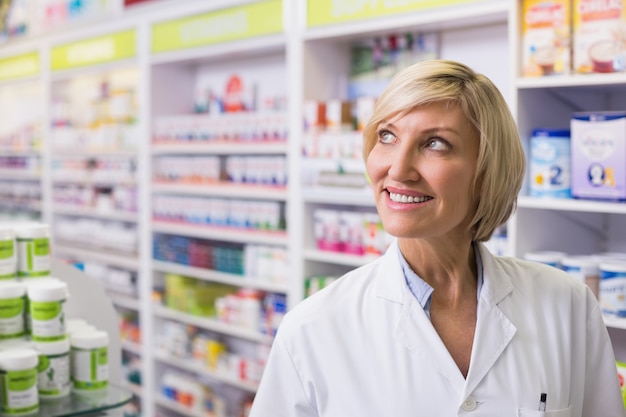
[599, 32]
[546, 35]
[598, 143]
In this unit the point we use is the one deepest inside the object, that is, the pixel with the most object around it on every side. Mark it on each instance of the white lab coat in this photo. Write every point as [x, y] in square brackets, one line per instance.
[364, 347]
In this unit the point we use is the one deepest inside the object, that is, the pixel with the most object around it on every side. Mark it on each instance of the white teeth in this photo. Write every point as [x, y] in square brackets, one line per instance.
[401, 198]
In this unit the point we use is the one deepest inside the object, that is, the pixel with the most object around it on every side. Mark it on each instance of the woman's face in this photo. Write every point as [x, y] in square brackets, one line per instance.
[421, 168]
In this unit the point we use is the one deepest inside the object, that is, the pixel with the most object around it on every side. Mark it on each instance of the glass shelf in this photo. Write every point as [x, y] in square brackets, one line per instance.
[84, 404]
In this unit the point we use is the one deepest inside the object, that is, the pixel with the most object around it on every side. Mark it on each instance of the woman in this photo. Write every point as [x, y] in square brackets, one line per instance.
[438, 326]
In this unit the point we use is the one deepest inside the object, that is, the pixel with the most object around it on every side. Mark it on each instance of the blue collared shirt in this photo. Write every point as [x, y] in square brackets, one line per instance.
[423, 292]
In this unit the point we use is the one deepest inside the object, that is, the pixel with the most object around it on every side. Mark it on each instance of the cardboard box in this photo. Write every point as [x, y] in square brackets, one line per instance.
[546, 37]
[599, 155]
[599, 36]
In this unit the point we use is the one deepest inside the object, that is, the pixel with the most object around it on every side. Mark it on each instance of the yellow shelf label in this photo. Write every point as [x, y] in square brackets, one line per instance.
[251, 20]
[94, 51]
[325, 12]
[19, 66]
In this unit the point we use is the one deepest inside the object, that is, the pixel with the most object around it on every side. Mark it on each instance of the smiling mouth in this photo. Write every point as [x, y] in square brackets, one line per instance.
[401, 198]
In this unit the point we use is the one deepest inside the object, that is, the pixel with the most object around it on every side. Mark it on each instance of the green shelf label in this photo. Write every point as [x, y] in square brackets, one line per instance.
[326, 12]
[20, 66]
[251, 20]
[94, 51]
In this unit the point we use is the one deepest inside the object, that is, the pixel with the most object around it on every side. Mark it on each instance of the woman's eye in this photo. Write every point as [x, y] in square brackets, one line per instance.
[386, 136]
[437, 144]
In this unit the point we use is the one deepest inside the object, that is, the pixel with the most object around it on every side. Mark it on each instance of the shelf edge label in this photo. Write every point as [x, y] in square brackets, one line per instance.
[326, 12]
[19, 66]
[256, 19]
[94, 51]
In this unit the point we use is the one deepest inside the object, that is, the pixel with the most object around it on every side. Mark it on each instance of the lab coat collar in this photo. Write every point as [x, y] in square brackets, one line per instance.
[392, 286]
[494, 330]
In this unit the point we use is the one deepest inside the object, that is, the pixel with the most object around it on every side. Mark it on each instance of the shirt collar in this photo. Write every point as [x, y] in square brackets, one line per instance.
[422, 291]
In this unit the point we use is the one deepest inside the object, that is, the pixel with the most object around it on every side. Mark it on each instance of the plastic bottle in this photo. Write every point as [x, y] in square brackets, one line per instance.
[18, 382]
[33, 250]
[12, 296]
[8, 254]
[47, 310]
[89, 360]
[53, 379]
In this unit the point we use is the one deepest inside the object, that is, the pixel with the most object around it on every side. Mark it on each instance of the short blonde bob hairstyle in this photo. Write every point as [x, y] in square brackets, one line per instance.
[501, 163]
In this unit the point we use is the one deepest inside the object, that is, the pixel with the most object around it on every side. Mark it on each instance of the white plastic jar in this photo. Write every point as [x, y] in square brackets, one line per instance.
[18, 382]
[585, 269]
[73, 325]
[89, 360]
[612, 297]
[552, 258]
[33, 250]
[8, 253]
[46, 308]
[53, 380]
[12, 311]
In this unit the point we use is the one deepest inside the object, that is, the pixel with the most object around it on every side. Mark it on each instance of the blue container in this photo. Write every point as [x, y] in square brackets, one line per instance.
[550, 156]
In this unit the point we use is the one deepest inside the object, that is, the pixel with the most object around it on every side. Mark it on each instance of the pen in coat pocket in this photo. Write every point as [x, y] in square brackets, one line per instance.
[542, 401]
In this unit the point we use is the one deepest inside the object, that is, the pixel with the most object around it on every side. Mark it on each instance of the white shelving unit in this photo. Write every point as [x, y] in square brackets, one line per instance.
[21, 135]
[300, 61]
[575, 227]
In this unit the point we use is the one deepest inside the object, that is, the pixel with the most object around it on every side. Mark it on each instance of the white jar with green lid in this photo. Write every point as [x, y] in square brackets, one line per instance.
[12, 311]
[46, 305]
[90, 360]
[33, 250]
[8, 253]
[18, 382]
[53, 369]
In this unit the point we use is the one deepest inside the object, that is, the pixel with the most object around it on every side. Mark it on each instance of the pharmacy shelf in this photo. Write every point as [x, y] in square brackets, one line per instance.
[224, 189]
[35, 206]
[563, 204]
[199, 368]
[131, 347]
[103, 256]
[137, 390]
[615, 322]
[339, 196]
[573, 80]
[83, 178]
[227, 234]
[470, 14]
[95, 213]
[216, 276]
[221, 148]
[211, 324]
[63, 153]
[249, 47]
[16, 174]
[20, 152]
[338, 258]
[124, 301]
[177, 407]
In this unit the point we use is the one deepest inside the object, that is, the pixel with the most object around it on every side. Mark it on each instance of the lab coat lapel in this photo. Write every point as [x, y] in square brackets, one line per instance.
[494, 331]
[413, 328]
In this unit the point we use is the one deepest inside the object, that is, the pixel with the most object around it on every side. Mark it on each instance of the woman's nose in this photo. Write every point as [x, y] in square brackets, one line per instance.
[403, 165]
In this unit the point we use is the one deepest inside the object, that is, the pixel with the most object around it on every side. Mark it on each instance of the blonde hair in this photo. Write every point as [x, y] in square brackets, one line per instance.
[501, 162]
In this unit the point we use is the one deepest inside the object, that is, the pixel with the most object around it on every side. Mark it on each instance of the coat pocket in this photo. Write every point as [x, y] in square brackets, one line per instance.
[524, 412]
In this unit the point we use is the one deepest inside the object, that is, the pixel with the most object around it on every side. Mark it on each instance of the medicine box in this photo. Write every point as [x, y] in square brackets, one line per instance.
[546, 34]
[598, 144]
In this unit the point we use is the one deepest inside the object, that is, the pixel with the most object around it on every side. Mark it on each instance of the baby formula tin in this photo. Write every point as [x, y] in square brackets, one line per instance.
[548, 257]
[584, 269]
[613, 288]
[550, 163]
